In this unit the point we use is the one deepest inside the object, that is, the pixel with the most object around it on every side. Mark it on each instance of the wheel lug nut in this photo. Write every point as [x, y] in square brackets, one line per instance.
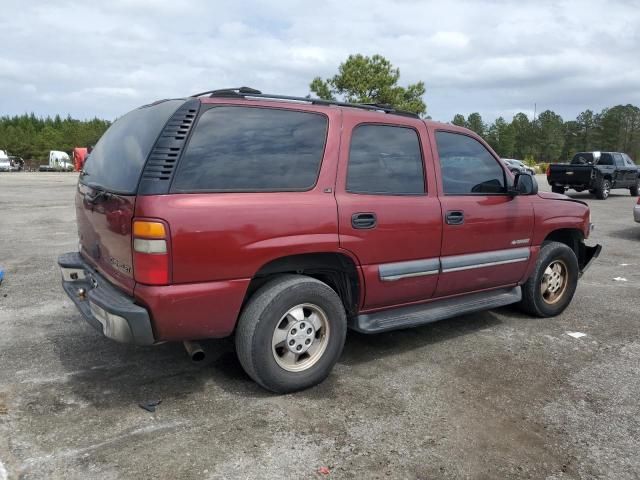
[292, 342]
[307, 341]
[301, 326]
[299, 347]
[309, 331]
[293, 331]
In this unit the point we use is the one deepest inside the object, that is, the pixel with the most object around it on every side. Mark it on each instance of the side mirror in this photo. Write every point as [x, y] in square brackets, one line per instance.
[524, 184]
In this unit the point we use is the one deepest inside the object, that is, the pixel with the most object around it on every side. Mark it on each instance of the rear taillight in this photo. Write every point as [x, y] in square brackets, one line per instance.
[150, 252]
[548, 170]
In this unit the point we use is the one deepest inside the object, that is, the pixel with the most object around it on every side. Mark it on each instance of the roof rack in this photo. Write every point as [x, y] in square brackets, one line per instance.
[244, 92]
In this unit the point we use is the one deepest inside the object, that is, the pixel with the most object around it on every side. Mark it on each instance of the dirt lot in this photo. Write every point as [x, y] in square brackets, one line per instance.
[491, 395]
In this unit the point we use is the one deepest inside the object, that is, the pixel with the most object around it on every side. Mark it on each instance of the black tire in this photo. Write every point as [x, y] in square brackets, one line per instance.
[264, 313]
[602, 192]
[555, 189]
[592, 191]
[533, 302]
[635, 189]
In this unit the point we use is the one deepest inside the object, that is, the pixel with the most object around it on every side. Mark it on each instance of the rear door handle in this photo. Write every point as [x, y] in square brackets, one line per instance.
[362, 221]
[455, 217]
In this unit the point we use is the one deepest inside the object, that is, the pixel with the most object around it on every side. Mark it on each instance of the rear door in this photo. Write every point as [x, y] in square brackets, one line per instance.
[107, 188]
[389, 214]
[626, 175]
[633, 168]
[487, 233]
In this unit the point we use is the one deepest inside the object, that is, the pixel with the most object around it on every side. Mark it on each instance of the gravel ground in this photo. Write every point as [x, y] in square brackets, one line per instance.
[489, 395]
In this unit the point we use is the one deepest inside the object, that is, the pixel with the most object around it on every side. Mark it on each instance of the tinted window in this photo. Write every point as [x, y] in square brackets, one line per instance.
[628, 160]
[118, 158]
[253, 149]
[385, 160]
[582, 158]
[467, 167]
[605, 159]
[618, 159]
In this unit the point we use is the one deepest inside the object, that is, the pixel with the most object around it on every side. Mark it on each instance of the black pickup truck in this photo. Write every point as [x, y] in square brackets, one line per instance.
[598, 172]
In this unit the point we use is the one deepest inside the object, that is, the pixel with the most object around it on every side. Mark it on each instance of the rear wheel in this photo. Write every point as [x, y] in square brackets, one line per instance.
[550, 288]
[635, 189]
[604, 190]
[555, 189]
[291, 333]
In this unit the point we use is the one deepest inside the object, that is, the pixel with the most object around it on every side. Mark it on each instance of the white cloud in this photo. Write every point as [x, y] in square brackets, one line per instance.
[496, 57]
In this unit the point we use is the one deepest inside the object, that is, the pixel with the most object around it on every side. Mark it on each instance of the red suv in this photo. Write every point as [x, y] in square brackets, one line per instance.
[283, 221]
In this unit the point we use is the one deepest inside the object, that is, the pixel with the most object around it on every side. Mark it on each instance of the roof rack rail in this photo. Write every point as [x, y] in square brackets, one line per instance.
[244, 92]
[229, 92]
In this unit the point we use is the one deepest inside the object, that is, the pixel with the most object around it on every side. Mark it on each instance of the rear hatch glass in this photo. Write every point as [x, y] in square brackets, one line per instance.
[105, 198]
[117, 160]
[584, 158]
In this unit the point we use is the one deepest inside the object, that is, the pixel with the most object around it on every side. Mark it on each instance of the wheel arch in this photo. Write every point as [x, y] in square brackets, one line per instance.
[338, 270]
[574, 239]
[571, 237]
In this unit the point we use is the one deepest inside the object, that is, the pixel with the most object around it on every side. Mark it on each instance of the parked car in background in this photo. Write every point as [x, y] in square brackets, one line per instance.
[5, 164]
[58, 162]
[17, 163]
[598, 172]
[518, 166]
[283, 221]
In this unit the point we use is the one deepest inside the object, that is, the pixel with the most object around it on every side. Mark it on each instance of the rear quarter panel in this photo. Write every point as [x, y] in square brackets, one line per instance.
[225, 236]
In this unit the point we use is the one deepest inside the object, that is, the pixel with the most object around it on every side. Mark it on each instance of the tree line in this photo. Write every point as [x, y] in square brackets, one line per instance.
[548, 138]
[363, 79]
[32, 138]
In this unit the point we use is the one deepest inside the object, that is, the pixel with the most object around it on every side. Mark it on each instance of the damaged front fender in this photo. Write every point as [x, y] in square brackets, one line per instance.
[587, 256]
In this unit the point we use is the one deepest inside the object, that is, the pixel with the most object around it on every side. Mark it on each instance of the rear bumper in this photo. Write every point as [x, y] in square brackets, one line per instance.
[636, 213]
[107, 309]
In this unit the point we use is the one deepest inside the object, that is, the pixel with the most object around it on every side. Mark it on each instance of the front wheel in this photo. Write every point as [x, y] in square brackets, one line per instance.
[550, 288]
[291, 333]
[635, 189]
[555, 189]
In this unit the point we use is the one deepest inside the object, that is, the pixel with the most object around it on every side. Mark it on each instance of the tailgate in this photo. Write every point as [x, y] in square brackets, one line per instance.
[107, 190]
[570, 174]
[104, 228]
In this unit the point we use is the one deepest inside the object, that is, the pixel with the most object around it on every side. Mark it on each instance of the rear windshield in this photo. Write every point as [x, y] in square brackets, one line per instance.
[585, 158]
[116, 162]
[249, 149]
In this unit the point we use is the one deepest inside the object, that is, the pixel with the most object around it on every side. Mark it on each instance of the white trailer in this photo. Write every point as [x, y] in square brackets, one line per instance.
[58, 162]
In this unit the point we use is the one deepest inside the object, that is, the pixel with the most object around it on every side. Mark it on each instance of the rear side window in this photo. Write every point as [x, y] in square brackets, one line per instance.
[250, 149]
[117, 160]
[606, 159]
[467, 167]
[385, 160]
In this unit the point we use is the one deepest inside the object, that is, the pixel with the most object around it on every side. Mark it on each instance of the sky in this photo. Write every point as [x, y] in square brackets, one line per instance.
[496, 57]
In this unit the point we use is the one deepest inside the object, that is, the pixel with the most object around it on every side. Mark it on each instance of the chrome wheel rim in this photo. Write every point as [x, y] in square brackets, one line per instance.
[554, 282]
[300, 338]
[605, 190]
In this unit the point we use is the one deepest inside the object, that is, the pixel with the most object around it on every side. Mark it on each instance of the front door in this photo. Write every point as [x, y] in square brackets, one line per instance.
[389, 213]
[486, 232]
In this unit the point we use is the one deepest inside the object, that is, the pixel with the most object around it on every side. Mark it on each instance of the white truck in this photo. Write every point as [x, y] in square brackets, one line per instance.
[5, 164]
[58, 162]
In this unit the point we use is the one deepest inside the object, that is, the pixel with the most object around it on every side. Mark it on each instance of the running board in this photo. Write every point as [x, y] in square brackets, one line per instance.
[415, 315]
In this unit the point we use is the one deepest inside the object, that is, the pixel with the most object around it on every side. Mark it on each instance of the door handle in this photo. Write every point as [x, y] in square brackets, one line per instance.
[362, 221]
[455, 217]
